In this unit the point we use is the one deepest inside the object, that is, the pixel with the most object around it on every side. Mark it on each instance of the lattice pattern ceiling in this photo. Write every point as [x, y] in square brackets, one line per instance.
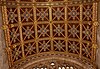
[35, 27]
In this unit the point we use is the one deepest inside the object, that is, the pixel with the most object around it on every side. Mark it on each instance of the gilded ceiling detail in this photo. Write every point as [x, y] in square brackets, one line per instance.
[41, 26]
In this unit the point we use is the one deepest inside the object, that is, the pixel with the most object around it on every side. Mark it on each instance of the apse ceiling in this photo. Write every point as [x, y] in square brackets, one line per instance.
[49, 26]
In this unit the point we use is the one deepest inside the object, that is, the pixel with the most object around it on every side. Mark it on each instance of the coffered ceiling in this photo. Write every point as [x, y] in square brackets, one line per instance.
[54, 26]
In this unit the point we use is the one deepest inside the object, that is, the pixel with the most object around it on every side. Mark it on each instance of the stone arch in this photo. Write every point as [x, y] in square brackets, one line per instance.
[77, 62]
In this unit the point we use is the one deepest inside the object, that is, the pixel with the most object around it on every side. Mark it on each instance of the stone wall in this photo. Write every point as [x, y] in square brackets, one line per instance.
[98, 39]
[3, 55]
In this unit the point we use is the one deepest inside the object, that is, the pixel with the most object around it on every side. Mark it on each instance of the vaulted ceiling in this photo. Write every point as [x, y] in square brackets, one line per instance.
[39, 27]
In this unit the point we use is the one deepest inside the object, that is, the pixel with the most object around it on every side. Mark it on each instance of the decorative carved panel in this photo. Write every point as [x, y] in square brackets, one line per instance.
[54, 64]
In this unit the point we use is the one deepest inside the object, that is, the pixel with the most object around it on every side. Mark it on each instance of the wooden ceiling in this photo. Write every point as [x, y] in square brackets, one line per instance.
[49, 26]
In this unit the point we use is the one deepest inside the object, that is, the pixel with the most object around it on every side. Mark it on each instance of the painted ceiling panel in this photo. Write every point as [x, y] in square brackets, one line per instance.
[41, 26]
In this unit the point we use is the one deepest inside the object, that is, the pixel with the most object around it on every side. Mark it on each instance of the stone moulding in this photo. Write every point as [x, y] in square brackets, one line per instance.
[30, 61]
